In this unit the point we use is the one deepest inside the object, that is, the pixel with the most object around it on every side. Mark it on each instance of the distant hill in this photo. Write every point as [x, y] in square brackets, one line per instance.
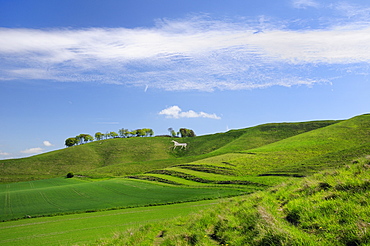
[135, 155]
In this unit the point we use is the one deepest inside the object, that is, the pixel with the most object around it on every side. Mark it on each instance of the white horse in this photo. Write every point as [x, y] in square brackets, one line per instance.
[183, 145]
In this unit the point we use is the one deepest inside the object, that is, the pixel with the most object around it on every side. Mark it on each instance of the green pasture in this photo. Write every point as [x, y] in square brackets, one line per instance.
[63, 196]
[86, 228]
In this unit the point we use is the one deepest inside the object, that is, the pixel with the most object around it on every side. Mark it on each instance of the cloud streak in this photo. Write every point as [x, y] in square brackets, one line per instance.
[176, 112]
[4, 153]
[192, 54]
[302, 4]
[37, 150]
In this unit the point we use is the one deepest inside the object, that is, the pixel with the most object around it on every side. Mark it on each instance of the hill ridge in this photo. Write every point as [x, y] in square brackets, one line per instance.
[137, 155]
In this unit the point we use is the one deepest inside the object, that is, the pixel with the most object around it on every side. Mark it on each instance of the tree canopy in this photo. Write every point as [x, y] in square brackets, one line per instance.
[187, 133]
[124, 133]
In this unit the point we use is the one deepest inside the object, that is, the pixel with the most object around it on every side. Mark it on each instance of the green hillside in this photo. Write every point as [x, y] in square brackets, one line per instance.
[213, 145]
[137, 155]
[276, 162]
[296, 155]
[328, 209]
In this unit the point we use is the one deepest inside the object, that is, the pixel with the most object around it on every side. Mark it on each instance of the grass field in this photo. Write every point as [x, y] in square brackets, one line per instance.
[327, 209]
[268, 160]
[63, 196]
[86, 228]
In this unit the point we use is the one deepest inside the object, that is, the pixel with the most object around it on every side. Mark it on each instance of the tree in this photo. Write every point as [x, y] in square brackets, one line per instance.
[87, 138]
[69, 175]
[148, 132]
[79, 139]
[99, 136]
[186, 132]
[113, 134]
[172, 132]
[139, 133]
[71, 141]
[132, 133]
[123, 132]
[84, 138]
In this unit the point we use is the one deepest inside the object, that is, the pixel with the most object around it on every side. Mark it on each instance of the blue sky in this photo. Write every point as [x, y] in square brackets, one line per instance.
[77, 66]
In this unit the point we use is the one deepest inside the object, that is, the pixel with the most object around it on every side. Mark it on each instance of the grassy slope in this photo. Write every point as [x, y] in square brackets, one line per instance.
[117, 157]
[84, 157]
[297, 155]
[80, 159]
[301, 153]
[213, 145]
[330, 208]
[253, 151]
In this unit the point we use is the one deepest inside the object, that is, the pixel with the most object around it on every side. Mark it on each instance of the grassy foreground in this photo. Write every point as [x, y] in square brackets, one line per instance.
[85, 228]
[329, 208]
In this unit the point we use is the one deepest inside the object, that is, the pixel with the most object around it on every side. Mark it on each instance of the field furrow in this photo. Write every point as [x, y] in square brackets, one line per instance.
[47, 200]
[7, 202]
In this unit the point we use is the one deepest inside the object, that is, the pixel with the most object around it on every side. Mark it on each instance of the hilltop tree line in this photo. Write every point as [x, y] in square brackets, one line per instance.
[123, 133]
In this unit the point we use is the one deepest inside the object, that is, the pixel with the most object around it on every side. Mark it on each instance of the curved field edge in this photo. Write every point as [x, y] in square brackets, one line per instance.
[66, 196]
[85, 228]
[329, 208]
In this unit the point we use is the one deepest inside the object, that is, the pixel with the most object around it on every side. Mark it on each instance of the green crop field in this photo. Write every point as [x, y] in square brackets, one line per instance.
[62, 196]
[86, 228]
[117, 177]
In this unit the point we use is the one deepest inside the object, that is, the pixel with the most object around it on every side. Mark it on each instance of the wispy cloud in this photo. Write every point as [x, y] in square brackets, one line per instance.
[33, 150]
[192, 54]
[302, 4]
[4, 153]
[176, 113]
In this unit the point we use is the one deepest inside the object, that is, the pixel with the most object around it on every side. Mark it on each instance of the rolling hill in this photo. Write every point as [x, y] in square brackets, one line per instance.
[117, 157]
[277, 162]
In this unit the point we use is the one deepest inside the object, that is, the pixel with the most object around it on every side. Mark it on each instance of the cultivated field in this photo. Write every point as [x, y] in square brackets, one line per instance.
[86, 228]
[63, 196]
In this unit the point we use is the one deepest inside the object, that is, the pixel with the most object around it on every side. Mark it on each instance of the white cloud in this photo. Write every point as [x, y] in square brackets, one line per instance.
[47, 143]
[4, 153]
[191, 54]
[33, 151]
[176, 113]
[301, 4]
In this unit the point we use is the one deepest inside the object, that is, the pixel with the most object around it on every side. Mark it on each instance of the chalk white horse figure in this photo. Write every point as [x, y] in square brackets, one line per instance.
[183, 145]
